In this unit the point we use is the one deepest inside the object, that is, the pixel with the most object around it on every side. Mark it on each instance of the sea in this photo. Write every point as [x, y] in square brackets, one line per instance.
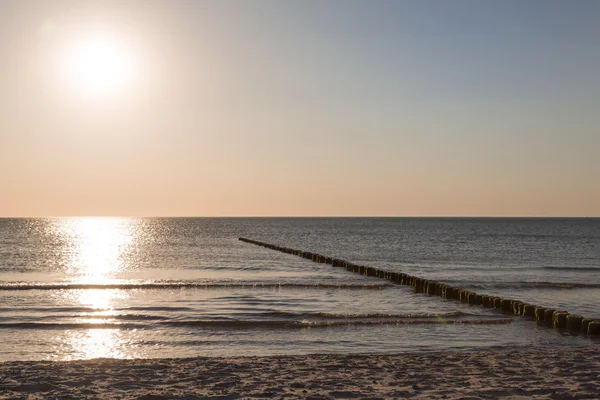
[81, 288]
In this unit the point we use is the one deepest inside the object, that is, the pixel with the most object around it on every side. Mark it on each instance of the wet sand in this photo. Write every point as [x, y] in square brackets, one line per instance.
[521, 374]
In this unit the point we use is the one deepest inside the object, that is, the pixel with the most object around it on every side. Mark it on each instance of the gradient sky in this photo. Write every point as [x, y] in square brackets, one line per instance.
[403, 108]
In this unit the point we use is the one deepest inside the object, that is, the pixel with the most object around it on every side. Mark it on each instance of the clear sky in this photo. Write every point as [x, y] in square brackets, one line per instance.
[253, 108]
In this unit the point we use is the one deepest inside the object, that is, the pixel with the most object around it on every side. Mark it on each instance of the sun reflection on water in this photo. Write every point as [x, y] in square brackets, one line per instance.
[100, 299]
[97, 247]
[97, 251]
[98, 343]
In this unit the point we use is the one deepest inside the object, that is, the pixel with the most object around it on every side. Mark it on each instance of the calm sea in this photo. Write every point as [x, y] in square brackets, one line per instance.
[76, 288]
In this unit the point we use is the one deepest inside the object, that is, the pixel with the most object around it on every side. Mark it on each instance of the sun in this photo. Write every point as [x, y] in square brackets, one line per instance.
[99, 64]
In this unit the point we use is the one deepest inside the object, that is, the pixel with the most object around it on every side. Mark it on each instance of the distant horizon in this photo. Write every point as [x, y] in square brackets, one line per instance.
[312, 216]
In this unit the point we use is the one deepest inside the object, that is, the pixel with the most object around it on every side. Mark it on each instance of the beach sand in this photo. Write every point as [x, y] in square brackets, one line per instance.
[521, 374]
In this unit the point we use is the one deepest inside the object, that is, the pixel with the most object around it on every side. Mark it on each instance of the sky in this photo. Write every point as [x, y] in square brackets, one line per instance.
[307, 108]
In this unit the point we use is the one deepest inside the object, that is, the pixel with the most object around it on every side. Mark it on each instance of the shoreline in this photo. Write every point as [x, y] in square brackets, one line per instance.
[536, 373]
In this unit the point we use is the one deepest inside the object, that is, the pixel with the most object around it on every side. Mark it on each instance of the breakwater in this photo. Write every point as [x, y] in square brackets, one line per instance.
[558, 319]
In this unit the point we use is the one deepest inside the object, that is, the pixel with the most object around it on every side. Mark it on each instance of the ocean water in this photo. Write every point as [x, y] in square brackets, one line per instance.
[78, 288]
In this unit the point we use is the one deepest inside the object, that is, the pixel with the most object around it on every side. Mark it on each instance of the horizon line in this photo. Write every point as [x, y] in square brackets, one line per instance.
[308, 216]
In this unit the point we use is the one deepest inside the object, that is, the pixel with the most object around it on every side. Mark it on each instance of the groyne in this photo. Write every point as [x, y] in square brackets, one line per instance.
[558, 319]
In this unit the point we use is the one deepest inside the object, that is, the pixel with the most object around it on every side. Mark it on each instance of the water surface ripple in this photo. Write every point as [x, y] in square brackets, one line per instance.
[77, 288]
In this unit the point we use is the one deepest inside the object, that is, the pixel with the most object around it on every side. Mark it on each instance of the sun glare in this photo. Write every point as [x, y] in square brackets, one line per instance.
[99, 64]
[98, 247]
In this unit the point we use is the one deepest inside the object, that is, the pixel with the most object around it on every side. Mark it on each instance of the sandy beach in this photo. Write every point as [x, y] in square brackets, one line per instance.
[523, 374]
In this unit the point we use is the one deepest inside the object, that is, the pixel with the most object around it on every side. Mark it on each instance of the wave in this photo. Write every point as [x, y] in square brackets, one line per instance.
[564, 285]
[232, 268]
[253, 324]
[531, 285]
[386, 316]
[89, 309]
[592, 269]
[100, 319]
[306, 316]
[292, 316]
[191, 285]
[521, 235]
[126, 317]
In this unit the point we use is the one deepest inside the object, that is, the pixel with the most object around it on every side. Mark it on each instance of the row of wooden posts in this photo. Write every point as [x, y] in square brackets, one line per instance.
[554, 318]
